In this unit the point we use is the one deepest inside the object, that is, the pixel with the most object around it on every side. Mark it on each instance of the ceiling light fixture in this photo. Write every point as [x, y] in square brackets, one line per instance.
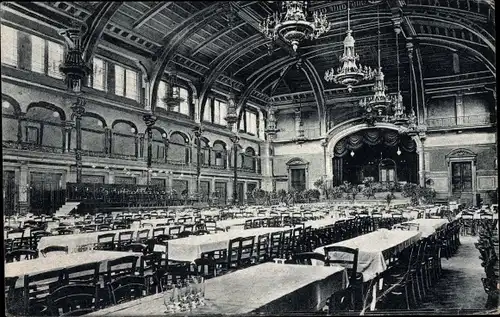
[173, 95]
[350, 73]
[293, 24]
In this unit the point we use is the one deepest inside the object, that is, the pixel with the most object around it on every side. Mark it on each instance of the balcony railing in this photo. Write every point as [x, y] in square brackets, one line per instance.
[32, 147]
[461, 121]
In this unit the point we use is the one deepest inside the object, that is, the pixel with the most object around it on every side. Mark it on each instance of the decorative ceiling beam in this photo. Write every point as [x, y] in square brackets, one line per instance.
[151, 13]
[95, 24]
[215, 36]
[318, 89]
[224, 61]
[175, 38]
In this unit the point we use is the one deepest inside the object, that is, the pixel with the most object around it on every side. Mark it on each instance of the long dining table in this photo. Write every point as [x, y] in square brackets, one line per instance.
[375, 249]
[267, 288]
[58, 261]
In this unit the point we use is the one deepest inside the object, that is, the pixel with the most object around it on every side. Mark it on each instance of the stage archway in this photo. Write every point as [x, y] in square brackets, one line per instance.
[337, 134]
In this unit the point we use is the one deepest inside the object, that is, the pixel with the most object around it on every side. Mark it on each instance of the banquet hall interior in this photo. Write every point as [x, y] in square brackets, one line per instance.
[249, 157]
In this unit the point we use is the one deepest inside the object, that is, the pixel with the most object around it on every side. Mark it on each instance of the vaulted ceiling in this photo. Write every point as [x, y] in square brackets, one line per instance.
[198, 38]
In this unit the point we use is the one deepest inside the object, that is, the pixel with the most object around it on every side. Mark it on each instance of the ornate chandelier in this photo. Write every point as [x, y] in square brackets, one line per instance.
[173, 97]
[377, 106]
[271, 129]
[399, 116]
[291, 24]
[350, 73]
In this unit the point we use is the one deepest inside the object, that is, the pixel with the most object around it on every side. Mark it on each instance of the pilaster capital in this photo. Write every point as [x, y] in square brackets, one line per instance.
[149, 119]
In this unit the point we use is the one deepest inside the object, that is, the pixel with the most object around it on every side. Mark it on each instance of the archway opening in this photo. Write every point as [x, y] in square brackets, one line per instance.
[379, 155]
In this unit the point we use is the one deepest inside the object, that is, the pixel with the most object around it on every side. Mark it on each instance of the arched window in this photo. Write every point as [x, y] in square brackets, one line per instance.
[43, 129]
[239, 153]
[158, 145]
[204, 151]
[9, 120]
[93, 134]
[124, 139]
[178, 150]
[219, 154]
[249, 160]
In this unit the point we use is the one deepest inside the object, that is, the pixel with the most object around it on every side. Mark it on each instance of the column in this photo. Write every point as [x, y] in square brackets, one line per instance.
[111, 177]
[266, 167]
[197, 133]
[421, 163]
[245, 189]
[107, 141]
[78, 111]
[24, 188]
[235, 139]
[150, 121]
[67, 135]
[459, 108]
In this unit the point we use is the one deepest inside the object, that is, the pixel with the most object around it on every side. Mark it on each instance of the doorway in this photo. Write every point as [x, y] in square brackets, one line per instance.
[9, 193]
[461, 177]
[298, 179]
[46, 195]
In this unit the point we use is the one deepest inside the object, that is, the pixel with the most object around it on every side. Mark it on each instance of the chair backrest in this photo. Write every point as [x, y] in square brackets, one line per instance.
[143, 235]
[257, 223]
[344, 256]
[210, 225]
[248, 224]
[128, 287]
[136, 247]
[87, 273]
[246, 250]
[158, 231]
[120, 267]
[37, 287]
[54, 248]
[20, 254]
[233, 252]
[106, 237]
[125, 236]
[305, 258]
[262, 253]
[184, 234]
[189, 228]
[174, 230]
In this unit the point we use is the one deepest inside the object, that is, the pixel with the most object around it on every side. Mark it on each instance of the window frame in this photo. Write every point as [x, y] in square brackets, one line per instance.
[246, 123]
[125, 68]
[47, 53]
[105, 74]
[15, 58]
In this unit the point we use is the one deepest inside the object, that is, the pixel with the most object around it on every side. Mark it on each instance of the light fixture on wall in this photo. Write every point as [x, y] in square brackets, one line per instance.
[350, 73]
[99, 123]
[93, 166]
[132, 130]
[292, 25]
[173, 95]
[164, 135]
[399, 151]
[55, 114]
[352, 153]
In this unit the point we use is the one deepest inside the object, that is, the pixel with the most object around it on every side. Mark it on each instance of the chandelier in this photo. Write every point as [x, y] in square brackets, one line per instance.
[271, 129]
[300, 138]
[173, 97]
[292, 25]
[378, 105]
[350, 73]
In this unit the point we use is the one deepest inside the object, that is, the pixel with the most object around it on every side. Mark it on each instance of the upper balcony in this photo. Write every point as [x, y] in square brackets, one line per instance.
[460, 122]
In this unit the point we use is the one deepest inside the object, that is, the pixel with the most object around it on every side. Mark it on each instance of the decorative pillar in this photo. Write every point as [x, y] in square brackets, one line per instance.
[245, 189]
[24, 188]
[421, 160]
[78, 111]
[235, 139]
[138, 139]
[68, 126]
[107, 141]
[459, 108]
[409, 46]
[150, 121]
[198, 130]
[75, 71]
[20, 129]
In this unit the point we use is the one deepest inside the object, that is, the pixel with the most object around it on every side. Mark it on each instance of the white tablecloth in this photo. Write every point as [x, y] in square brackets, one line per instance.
[59, 261]
[266, 288]
[428, 226]
[372, 247]
[190, 248]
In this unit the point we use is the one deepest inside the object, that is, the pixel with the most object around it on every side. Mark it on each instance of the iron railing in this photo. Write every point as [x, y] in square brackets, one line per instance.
[460, 121]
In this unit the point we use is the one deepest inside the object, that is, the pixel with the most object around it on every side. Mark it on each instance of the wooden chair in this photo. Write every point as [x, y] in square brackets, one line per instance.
[20, 254]
[337, 255]
[205, 266]
[105, 241]
[158, 231]
[189, 228]
[36, 289]
[104, 227]
[54, 248]
[275, 245]
[124, 238]
[184, 234]
[262, 252]
[248, 224]
[136, 247]
[174, 231]
[12, 303]
[246, 249]
[120, 267]
[210, 225]
[72, 300]
[126, 288]
[142, 235]
[87, 273]
[306, 258]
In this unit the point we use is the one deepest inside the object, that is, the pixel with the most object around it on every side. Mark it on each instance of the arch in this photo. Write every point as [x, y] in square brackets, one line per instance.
[178, 150]
[162, 131]
[219, 154]
[49, 106]
[130, 123]
[222, 143]
[96, 116]
[297, 161]
[460, 153]
[13, 102]
[184, 136]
